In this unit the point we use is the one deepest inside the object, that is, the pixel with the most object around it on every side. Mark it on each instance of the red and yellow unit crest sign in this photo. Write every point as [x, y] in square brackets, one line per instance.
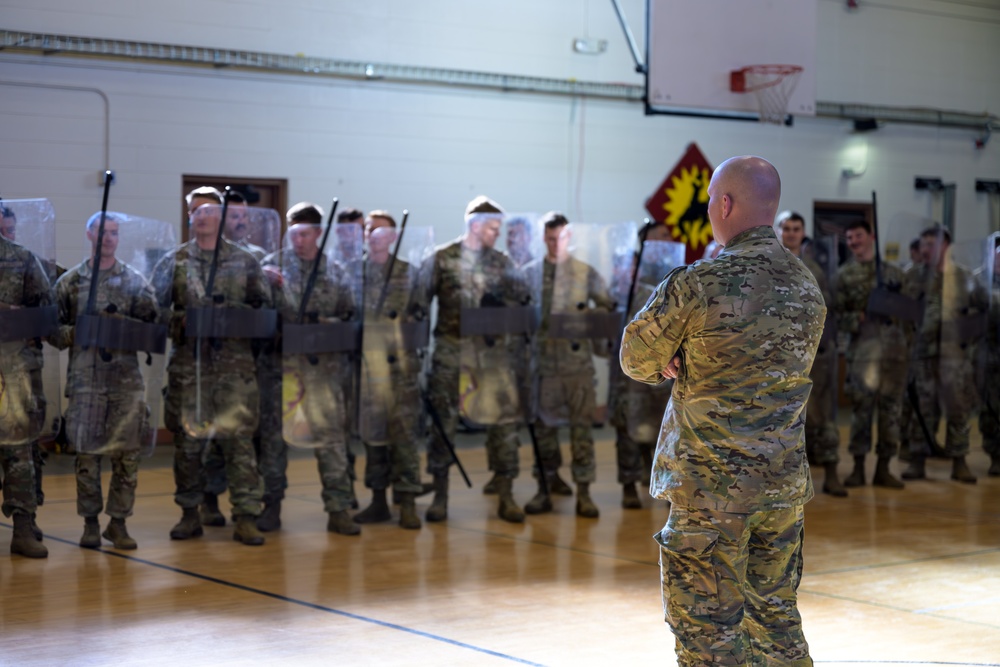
[681, 202]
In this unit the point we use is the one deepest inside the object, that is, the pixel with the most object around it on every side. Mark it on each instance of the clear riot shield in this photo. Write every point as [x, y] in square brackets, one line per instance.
[523, 238]
[320, 333]
[821, 256]
[500, 312]
[29, 367]
[641, 406]
[227, 306]
[582, 319]
[118, 338]
[256, 230]
[396, 333]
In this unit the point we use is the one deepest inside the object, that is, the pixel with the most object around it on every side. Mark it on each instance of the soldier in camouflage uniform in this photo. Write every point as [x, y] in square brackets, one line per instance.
[739, 333]
[394, 458]
[23, 285]
[238, 226]
[636, 409]
[989, 413]
[565, 366]
[228, 380]
[822, 438]
[321, 375]
[876, 357]
[943, 370]
[115, 381]
[53, 270]
[471, 255]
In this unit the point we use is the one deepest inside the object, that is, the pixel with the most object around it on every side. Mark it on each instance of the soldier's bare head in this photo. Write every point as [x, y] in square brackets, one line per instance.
[744, 193]
[934, 243]
[305, 213]
[8, 223]
[483, 218]
[237, 217]
[860, 240]
[380, 232]
[305, 226]
[793, 230]
[350, 216]
[109, 241]
[556, 236]
[200, 196]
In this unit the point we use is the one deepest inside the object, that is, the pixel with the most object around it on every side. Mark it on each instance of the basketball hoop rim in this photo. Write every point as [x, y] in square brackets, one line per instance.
[738, 78]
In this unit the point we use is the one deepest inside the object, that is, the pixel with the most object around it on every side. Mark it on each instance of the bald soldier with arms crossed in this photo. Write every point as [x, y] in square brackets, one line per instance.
[739, 334]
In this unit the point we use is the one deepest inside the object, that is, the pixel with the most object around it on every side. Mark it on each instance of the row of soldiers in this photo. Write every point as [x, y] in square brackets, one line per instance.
[314, 345]
[922, 342]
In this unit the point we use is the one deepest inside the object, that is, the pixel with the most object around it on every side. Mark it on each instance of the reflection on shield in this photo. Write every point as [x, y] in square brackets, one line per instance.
[320, 331]
[29, 368]
[396, 332]
[118, 354]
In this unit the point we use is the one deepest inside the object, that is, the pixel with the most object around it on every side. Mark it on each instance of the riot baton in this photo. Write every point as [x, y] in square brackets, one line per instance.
[643, 233]
[95, 271]
[212, 269]
[392, 263]
[436, 420]
[311, 282]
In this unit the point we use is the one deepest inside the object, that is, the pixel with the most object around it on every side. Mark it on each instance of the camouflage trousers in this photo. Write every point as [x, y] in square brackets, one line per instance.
[948, 383]
[571, 398]
[121, 493]
[501, 440]
[729, 586]
[989, 412]
[337, 486]
[397, 461]
[38, 419]
[245, 488]
[18, 480]
[875, 382]
[822, 438]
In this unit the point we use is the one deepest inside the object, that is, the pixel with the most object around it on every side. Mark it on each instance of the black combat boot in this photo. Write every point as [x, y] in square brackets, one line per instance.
[857, 476]
[91, 533]
[883, 477]
[378, 511]
[117, 534]
[831, 484]
[270, 518]
[630, 497]
[189, 526]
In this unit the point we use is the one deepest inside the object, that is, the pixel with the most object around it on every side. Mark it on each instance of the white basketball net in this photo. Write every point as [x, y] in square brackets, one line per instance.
[773, 85]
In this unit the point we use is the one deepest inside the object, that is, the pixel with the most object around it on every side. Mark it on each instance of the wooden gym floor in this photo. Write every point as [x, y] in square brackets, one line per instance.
[891, 577]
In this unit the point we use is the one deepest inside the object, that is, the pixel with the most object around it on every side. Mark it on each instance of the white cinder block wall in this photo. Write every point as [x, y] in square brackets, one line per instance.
[430, 149]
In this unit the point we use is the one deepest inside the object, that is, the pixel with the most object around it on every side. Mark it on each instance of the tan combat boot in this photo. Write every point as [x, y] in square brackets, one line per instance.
[585, 506]
[341, 522]
[91, 538]
[210, 514]
[246, 531]
[508, 509]
[558, 486]
[490, 488]
[541, 502]
[408, 512]
[117, 534]
[438, 511]
[189, 526]
[915, 470]
[23, 540]
[857, 476]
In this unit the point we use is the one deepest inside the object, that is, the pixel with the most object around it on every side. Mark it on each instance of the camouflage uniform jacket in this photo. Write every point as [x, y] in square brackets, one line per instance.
[23, 284]
[855, 282]
[948, 296]
[331, 299]
[747, 326]
[180, 278]
[464, 278]
[564, 287]
[132, 296]
[255, 250]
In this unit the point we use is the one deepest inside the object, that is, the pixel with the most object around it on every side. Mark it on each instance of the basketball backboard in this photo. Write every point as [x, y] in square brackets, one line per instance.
[692, 46]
